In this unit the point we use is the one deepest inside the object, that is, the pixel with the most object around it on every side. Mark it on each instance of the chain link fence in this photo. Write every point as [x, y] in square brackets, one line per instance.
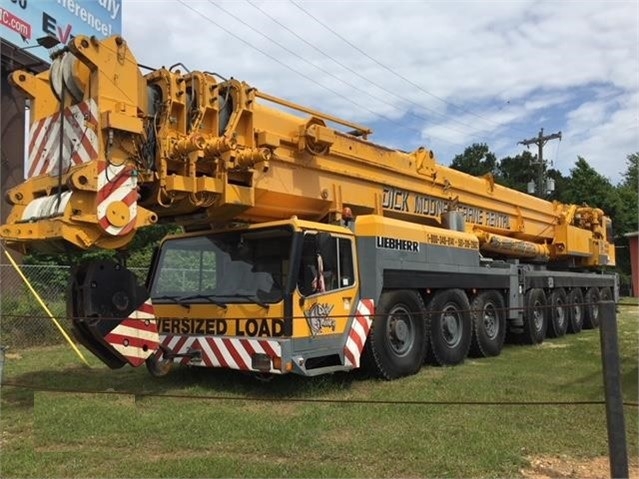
[23, 321]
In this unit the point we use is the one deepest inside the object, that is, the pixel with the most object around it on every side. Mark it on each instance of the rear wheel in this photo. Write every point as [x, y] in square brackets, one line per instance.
[450, 327]
[535, 316]
[396, 344]
[575, 311]
[489, 324]
[558, 314]
[591, 308]
[605, 294]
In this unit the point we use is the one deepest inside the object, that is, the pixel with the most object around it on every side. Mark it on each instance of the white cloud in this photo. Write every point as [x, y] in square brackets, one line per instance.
[503, 69]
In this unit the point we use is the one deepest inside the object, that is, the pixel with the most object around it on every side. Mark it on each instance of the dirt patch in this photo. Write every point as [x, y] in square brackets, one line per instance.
[550, 467]
[475, 363]
[547, 345]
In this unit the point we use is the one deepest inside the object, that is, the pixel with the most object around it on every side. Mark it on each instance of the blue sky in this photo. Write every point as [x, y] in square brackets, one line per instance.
[439, 74]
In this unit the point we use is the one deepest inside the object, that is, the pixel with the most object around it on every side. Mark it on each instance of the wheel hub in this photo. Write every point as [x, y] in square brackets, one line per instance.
[490, 322]
[451, 328]
[559, 313]
[538, 318]
[400, 331]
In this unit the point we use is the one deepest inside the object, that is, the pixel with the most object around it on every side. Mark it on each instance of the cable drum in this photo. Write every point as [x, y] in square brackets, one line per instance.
[56, 81]
[70, 78]
[64, 75]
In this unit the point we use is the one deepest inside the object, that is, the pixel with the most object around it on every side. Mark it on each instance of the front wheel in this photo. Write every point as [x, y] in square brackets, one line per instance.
[396, 344]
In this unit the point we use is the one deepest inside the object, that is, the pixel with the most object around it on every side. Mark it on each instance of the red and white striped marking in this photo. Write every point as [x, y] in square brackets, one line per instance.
[359, 332]
[223, 352]
[116, 184]
[79, 139]
[136, 338]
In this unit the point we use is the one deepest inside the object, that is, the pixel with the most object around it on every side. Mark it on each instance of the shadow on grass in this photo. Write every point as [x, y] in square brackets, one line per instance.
[592, 384]
[182, 381]
[17, 398]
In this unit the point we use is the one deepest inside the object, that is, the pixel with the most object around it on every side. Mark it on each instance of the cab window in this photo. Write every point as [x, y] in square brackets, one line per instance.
[332, 257]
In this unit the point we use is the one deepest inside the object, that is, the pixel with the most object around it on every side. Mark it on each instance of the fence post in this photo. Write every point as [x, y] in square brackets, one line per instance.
[2, 348]
[612, 385]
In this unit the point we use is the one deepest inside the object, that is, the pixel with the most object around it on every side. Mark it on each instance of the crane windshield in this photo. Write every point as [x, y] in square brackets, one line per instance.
[248, 266]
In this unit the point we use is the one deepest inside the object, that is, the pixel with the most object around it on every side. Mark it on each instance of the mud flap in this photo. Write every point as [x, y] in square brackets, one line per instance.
[112, 314]
[358, 334]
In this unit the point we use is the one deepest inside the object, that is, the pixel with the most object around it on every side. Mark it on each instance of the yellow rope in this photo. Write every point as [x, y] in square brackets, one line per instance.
[44, 306]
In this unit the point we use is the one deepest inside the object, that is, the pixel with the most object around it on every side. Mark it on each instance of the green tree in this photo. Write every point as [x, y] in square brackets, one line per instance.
[516, 171]
[562, 184]
[144, 243]
[627, 221]
[476, 160]
[587, 186]
[138, 253]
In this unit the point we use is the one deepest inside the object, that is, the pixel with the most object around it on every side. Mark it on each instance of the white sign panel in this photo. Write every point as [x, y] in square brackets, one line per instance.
[24, 21]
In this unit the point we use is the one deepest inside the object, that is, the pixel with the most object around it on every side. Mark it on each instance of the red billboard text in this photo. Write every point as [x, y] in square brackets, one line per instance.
[16, 24]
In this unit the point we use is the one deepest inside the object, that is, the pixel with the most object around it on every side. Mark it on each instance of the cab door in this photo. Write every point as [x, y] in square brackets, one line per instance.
[326, 286]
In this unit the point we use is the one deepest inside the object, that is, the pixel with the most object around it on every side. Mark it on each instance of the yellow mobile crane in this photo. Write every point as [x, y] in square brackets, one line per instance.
[306, 247]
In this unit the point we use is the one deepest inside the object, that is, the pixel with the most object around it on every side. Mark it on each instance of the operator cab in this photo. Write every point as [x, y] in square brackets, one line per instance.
[230, 267]
[260, 265]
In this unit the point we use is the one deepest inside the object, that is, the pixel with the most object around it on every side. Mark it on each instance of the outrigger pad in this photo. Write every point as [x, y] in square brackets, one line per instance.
[102, 296]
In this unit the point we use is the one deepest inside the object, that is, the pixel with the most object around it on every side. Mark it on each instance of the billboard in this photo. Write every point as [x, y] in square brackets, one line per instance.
[24, 21]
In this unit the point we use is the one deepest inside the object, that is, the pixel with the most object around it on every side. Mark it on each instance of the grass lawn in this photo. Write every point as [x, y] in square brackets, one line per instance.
[118, 434]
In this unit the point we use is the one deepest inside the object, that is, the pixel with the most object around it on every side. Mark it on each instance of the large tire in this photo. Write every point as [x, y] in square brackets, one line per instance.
[488, 314]
[449, 327]
[535, 316]
[158, 365]
[559, 316]
[576, 311]
[591, 308]
[605, 294]
[396, 344]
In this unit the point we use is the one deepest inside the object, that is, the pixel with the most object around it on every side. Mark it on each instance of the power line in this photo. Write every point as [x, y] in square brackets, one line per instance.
[359, 75]
[393, 72]
[307, 77]
[524, 309]
[554, 162]
[263, 399]
[296, 55]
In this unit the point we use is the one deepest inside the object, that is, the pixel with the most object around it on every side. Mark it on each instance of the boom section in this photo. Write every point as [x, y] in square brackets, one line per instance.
[112, 150]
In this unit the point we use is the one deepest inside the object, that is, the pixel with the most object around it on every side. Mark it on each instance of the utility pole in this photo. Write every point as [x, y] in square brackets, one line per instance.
[540, 141]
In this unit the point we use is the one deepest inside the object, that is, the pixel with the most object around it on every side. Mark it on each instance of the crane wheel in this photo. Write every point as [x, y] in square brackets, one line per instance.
[558, 313]
[158, 365]
[575, 311]
[605, 294]
[449, 327]
[535, 316]
[396, 344]
[488, 314]
[591, 308]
